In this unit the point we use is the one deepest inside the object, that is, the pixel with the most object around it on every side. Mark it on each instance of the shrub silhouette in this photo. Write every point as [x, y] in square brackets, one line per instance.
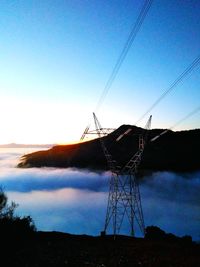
[155, 233]
[12, 226]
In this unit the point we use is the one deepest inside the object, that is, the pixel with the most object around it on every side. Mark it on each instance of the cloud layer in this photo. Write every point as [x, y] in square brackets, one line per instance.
[75, 201]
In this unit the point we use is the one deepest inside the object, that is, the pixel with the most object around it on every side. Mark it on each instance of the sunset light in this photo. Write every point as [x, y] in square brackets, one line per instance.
[55, 67]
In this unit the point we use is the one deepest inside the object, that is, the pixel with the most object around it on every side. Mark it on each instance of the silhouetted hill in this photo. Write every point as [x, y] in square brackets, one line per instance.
[174, 151]
[59, 249]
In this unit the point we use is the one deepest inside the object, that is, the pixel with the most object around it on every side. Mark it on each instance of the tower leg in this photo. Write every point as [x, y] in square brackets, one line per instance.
[124, 204]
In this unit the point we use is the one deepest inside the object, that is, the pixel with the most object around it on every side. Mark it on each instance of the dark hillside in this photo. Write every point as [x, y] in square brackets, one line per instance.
[174, 151]
[59, 249]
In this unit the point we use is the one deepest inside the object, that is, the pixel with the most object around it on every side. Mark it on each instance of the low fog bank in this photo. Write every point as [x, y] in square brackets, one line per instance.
[28, 180]
[172, 202]
[66, 210]
[75, 201]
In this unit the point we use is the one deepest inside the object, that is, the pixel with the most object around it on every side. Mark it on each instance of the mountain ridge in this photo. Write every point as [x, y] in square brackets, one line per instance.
[174, 151]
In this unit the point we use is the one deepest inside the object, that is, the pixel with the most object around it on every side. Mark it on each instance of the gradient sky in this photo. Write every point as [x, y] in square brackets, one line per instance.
[56, 57]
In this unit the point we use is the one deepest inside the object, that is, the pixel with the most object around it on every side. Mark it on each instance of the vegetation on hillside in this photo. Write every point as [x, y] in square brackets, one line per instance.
[12, 226]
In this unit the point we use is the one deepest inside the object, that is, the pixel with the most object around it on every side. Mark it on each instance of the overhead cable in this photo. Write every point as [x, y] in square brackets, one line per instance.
[135, 29]
[196, 110]
[186, 72]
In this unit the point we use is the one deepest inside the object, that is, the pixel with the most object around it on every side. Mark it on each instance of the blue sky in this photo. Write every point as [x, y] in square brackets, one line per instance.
[56, 57]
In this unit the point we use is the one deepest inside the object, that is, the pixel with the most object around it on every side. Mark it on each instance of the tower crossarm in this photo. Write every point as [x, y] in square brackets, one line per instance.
[101, 134]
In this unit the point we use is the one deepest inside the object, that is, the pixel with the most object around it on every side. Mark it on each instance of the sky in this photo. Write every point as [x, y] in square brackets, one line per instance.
[56, 57]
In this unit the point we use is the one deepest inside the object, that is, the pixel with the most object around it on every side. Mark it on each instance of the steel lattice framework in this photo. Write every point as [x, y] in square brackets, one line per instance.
[124, 196]
[124, 201]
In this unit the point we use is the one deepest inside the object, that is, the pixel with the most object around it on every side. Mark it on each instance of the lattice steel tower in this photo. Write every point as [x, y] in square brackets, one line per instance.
[124, 201]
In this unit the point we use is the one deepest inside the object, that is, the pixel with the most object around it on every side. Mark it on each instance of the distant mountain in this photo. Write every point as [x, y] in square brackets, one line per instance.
[14, 145]
[173, 151]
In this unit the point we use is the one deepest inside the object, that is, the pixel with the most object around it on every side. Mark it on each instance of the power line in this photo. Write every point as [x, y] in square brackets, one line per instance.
[196, 110]
[187, 71]
[135, 29]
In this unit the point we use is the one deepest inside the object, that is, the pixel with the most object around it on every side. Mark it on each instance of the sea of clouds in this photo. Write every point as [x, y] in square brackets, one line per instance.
[75, 201]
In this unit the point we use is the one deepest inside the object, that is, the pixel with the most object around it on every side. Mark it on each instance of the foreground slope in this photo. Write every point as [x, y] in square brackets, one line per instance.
[58, 249]
[174, 151]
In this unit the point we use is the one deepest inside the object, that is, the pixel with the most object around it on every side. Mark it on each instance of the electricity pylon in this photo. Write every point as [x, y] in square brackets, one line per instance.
[124, 201]
[124, 195]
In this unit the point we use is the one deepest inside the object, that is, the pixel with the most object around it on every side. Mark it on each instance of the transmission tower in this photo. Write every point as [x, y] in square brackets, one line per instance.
[124, 201]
